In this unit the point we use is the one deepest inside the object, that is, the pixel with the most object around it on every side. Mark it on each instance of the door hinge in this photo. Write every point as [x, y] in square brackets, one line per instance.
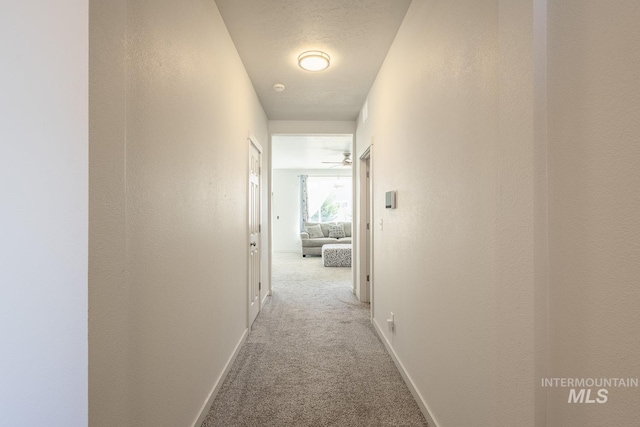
[367, 277]
[259, 286]
[259, 228]
[367, 174]
[367, 226]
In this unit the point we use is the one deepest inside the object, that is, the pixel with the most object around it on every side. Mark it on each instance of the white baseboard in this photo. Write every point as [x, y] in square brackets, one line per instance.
[405, 376]
[216, 387]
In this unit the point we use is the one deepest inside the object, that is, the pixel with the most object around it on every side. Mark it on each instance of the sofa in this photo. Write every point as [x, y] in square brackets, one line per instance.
[323, 233]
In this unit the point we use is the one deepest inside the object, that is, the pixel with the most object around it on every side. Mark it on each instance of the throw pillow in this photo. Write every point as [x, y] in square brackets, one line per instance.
[336, 231]
[315, 232]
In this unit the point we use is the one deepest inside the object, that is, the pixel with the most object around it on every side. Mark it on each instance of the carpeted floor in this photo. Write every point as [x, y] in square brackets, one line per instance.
[313, 359]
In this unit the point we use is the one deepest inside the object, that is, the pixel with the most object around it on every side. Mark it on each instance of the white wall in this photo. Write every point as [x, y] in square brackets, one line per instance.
[309, 127]
[594, 201]
[451, 115]
[512, 141]
[286, 206]
[109, 323]
[171, 110]
[43, 218]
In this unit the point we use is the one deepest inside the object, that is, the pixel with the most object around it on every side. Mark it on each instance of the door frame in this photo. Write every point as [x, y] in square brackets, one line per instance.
[365, 238]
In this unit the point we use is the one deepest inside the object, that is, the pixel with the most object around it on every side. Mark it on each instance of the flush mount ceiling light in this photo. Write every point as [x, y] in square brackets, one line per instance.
[313, 60]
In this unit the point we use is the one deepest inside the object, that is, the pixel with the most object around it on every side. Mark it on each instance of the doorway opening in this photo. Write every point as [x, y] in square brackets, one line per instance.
[312, 192]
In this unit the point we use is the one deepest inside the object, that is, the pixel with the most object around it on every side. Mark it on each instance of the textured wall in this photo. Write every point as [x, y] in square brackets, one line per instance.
[169, 211]
[43, 213]
[594, 200]
[452, 120]
[285, 203]
[512, 141]
[109, 373]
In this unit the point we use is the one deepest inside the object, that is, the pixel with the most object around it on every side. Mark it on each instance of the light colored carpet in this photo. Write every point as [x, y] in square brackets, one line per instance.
[313, 359]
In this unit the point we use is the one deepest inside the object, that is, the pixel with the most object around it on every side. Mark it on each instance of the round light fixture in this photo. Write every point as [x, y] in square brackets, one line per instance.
[314, 60]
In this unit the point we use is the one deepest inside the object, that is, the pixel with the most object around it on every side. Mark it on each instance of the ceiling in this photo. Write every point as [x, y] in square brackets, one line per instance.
[309, 151]
[270, 34]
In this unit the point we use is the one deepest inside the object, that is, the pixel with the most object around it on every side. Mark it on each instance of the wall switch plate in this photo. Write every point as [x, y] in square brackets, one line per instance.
[391, 323]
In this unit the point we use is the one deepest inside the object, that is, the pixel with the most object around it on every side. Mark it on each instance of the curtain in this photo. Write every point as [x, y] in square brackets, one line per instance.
[304, 202]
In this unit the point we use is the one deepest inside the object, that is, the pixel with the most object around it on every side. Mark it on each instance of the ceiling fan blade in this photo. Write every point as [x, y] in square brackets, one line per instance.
[346, 161]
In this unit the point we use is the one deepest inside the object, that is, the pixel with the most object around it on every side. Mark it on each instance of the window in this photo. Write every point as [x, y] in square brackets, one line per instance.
[329, 198]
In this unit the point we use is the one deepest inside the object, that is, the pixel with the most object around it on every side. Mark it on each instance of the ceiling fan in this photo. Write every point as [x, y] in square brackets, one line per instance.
[345, 162]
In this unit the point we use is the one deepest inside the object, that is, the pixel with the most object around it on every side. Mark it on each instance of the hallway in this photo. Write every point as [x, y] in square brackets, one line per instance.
[507, 130]
[312, 358]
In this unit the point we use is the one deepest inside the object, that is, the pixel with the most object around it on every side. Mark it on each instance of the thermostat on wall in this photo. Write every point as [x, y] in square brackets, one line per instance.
[390, 200]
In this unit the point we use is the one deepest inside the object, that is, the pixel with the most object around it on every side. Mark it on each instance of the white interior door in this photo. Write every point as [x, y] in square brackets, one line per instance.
[368, 239]
[255, 270]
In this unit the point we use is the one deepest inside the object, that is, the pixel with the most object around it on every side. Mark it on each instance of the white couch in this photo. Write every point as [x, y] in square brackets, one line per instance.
[313, 245]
